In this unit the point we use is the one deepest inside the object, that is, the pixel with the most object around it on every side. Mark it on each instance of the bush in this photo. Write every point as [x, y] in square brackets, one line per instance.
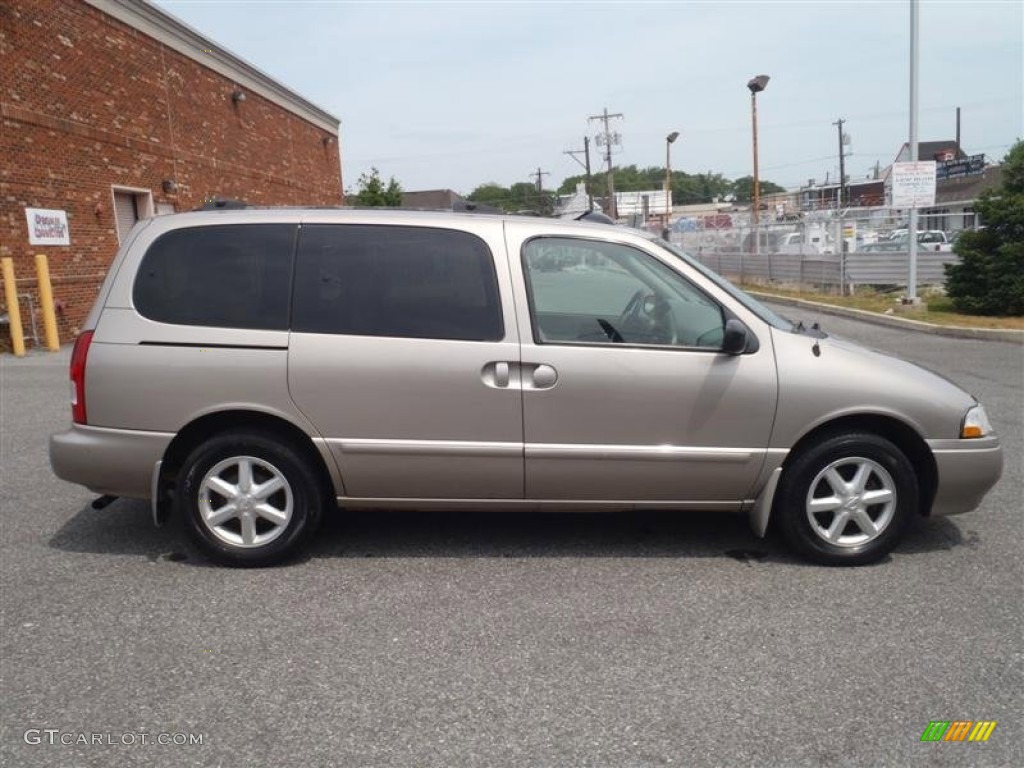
[989, 280]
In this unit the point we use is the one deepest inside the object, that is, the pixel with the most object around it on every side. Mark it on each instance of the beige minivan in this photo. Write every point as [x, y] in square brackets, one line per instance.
[249, 369]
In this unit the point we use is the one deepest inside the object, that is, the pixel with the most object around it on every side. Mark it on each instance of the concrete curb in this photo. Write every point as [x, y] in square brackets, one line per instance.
[892, 321]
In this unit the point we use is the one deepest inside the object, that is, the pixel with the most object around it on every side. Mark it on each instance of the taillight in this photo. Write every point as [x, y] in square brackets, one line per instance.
[78, 356]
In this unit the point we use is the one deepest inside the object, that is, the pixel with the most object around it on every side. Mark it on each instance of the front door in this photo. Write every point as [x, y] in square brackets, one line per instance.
[626, 394]
[403, 355]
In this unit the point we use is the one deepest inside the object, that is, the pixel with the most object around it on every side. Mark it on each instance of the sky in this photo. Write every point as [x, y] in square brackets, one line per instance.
[451, 95]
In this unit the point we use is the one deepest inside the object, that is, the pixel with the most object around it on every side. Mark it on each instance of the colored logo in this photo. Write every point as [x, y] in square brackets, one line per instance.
[958, 730]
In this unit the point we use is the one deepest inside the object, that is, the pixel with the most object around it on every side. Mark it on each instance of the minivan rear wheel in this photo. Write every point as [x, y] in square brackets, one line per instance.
[248, 499]
[846, 499]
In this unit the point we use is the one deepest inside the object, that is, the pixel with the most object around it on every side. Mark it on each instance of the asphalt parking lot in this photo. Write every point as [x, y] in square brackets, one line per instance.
[505, 640]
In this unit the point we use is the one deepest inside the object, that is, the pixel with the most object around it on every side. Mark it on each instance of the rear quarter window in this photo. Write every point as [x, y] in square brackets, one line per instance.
[399, 281]
[229, 276]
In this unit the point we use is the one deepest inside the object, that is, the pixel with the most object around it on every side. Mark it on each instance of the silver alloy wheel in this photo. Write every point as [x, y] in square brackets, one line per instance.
[851, 502]
[245, 501]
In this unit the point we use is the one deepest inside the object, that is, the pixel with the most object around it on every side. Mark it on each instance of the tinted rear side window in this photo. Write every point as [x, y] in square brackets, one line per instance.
[414, 282]
[230, 276]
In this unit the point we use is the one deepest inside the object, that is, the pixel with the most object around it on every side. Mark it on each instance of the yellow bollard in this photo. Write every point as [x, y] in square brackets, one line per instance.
[46, 303]
[13, 311]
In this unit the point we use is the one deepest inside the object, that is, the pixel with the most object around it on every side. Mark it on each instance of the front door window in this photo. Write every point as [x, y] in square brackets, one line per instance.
[593, 292]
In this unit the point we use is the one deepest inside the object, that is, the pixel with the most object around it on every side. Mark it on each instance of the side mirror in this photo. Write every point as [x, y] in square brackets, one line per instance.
[735, 340]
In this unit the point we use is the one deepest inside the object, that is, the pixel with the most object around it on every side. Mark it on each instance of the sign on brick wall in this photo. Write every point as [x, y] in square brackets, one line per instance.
[47, 227]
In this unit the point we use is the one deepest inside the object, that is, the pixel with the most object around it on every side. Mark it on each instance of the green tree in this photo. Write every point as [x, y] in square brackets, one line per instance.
[373, 194]
[687, 188]
[490, 193]
[989, 280]
[743, 188]
[520, 197]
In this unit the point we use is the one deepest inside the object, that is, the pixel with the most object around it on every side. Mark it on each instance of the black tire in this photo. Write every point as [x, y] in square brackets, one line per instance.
[299, 503]
[844, 536]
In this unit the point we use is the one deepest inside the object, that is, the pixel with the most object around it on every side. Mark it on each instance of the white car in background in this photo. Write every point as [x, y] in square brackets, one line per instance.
[927, 240]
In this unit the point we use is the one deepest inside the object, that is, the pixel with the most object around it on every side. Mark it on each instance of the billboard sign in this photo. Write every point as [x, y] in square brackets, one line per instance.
[966, 166]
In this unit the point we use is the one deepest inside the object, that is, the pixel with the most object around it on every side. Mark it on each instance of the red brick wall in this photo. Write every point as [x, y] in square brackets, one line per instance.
[87, 102]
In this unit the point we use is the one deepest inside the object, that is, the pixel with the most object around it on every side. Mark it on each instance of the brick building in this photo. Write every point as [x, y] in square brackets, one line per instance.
[113, 110]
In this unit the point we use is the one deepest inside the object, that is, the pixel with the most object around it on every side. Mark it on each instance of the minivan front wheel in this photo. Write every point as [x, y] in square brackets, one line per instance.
[845, 500]
[248, 499]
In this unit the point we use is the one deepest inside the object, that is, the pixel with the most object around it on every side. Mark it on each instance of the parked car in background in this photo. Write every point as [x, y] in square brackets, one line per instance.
[251, 369]
[809, 240]
[927, 240]
[932, 240]
[884, 246]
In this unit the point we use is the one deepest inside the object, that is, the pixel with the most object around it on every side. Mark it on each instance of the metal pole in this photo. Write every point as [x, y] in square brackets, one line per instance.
[32, 316]
[912, 228]
[957, 133]
[842, 163]
[668, 181]
[755, 219]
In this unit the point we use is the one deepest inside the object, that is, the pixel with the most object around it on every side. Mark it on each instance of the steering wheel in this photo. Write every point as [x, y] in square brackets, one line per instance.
[649, 317]
[633, 307]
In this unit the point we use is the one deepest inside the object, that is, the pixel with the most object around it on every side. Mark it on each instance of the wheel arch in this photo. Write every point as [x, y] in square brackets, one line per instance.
[203, 427]
[899, 433]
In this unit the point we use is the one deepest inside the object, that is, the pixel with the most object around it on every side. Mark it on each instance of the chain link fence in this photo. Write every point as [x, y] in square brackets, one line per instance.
[821, 249]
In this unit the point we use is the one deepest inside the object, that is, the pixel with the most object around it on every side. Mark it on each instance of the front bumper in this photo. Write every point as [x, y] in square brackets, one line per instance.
[118, 462]
[967, 470]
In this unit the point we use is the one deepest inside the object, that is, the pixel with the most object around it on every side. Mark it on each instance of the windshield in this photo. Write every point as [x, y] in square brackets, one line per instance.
[746, 300]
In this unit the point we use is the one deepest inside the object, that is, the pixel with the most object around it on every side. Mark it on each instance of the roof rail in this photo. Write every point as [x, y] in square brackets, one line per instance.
[223, 205]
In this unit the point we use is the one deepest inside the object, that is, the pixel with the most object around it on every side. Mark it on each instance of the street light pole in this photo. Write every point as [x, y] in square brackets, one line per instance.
[756, 85]
[668, 175]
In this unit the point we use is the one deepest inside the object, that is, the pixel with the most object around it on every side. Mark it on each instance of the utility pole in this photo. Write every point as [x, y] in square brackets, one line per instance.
[842, 164]
[586, 166]
[609, 139]
[538, 174]
[541, 206]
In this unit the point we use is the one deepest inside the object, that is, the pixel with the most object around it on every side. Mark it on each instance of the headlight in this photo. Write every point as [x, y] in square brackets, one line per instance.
[976, 423]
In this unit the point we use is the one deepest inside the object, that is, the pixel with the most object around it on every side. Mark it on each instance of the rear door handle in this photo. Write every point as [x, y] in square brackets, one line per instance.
[497, 374]
[501, 374]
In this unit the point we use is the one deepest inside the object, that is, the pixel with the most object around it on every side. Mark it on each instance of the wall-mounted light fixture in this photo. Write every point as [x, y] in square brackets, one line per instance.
[238, 96]
[327, 140]
[170, 186]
